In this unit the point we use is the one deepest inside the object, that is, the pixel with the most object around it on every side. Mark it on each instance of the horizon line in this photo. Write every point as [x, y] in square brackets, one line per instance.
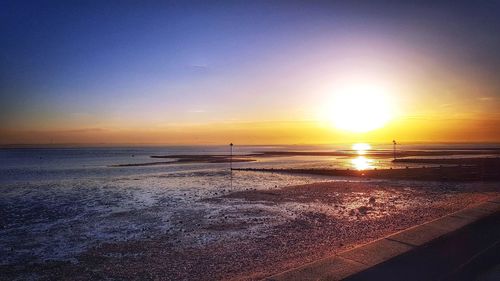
[123, 144]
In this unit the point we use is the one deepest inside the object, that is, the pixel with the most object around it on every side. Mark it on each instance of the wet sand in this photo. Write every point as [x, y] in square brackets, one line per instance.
[476, 161]
[464, 169]
[179, 159]
[266, 231]
[224, 158]
[382, 153]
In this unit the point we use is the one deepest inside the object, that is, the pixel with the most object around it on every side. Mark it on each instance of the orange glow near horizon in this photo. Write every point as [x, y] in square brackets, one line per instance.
[305, 132]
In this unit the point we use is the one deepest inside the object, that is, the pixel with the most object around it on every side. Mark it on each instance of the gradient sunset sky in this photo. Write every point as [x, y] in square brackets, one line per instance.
[250, 72]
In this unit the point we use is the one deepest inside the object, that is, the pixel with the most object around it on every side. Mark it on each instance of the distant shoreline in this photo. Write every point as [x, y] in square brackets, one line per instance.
[492, 145]
[475, 169]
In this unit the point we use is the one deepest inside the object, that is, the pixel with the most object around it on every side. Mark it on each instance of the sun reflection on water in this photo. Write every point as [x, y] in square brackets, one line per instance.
[361, 148]
[361, 162]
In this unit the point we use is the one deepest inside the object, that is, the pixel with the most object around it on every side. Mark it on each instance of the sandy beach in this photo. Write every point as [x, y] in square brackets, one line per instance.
[265, 231]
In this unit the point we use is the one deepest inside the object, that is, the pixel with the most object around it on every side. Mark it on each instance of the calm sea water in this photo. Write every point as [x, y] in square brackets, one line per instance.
[57, 202]
[30, 164]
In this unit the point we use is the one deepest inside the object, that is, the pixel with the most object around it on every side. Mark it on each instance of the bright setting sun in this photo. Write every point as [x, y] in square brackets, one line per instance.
[361, 109]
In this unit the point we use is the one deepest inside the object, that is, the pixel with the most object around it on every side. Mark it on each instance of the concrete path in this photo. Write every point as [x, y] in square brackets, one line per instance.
[459, 246]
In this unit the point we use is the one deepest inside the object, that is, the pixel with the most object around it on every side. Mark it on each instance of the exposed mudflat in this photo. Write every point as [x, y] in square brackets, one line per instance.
[459, 170]
[251, 233]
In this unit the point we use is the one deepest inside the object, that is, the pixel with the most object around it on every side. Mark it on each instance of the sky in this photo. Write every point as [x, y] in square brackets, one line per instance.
[251, 72]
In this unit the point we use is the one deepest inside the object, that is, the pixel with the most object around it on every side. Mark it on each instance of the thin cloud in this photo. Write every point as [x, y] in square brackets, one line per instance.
[486, 98]
[196, 111]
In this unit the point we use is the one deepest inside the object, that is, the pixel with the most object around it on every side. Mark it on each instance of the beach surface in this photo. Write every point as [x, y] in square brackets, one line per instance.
[261, 232]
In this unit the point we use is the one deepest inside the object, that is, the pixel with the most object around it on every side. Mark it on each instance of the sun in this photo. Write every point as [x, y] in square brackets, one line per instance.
[361, 109]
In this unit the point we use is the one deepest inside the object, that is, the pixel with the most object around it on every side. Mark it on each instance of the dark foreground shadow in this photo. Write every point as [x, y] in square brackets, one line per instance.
[471, 253]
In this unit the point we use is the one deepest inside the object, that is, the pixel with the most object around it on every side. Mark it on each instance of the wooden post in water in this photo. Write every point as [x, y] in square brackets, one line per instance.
[231, 166]
[394, 148]
[231, 158]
